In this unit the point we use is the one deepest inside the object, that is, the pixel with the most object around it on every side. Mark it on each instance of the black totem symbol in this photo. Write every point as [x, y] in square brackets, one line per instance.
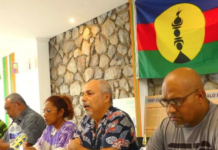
[176, 25]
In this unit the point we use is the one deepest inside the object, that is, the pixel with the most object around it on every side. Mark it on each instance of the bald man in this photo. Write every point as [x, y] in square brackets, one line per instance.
[192, 121]
[104, 127]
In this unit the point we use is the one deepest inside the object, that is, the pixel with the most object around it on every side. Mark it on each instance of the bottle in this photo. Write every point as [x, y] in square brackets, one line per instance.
[17, 144]
[14, 131]
[144, 142]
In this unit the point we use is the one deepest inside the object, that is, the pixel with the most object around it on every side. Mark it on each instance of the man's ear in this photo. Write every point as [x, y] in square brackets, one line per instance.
[107, 97]
[201, 96]
[18, 103]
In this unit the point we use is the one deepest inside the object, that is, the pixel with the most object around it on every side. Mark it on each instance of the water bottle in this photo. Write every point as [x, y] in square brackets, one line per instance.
[17, 144]
[14, 131]
[144, 143]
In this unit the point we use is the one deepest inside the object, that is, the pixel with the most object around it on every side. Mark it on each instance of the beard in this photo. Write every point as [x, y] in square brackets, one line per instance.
[179, 124]
[89, 113]
[182, 125]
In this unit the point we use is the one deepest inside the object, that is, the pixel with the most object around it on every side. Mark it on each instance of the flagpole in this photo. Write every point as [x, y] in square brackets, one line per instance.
[135, 74]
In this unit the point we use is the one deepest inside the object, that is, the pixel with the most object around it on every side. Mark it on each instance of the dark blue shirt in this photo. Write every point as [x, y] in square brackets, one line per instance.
[115, 129]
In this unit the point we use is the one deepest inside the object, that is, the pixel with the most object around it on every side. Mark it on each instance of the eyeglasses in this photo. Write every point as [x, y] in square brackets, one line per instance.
[47, 111]
[175, 102]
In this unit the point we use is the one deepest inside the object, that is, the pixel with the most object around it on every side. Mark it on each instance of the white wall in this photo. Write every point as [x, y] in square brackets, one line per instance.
[32, 84]
[143, 88]
[43, 70]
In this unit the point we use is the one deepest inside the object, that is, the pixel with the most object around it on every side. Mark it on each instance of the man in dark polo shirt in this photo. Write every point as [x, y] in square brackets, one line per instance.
[31, 123]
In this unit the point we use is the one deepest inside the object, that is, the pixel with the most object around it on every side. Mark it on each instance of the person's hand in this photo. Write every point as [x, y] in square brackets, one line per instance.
[70, 145]
[1, 141]
[75, 145]
[25, 146]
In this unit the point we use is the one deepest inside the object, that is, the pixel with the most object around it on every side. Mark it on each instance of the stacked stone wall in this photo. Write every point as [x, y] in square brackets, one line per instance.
[97, 49]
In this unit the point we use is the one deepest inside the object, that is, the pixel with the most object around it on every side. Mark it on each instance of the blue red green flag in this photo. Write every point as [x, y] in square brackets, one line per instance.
[168, 34]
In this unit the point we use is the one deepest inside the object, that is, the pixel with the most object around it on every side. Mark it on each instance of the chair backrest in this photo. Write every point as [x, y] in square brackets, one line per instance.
[139, 140]
[136, 145]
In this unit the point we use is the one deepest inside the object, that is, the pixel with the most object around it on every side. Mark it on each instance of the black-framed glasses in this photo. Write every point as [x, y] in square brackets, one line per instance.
[175, 102]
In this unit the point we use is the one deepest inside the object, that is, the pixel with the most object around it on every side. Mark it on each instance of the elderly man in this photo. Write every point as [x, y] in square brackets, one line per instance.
[31, 123]
[192, 121]
[104, 127]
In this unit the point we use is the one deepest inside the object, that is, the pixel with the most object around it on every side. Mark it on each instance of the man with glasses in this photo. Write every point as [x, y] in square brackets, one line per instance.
[192, 121]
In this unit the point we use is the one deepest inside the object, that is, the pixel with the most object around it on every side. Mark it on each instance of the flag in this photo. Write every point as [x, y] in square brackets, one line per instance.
[15, 67]
[9, 79]
[168, 34]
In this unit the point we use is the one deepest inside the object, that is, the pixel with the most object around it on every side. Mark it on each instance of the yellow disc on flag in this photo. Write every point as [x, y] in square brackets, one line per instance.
[180, 32]
[15, 65]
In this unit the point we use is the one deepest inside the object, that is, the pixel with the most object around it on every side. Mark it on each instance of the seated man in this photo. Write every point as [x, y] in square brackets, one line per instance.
[104, 127]
[192, 121]
[3, 128]
[31, 123]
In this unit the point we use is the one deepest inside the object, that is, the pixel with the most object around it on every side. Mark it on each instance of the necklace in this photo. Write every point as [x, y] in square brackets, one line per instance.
[53, 131]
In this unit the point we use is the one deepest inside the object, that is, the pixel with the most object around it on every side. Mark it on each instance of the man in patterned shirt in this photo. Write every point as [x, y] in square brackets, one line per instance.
[3, 128]
[104, 127]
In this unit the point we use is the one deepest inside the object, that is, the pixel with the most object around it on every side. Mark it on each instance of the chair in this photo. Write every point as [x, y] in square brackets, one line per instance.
[137, 145]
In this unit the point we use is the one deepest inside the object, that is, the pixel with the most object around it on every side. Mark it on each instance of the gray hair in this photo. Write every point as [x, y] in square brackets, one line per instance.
[14, 97]
[105, 87]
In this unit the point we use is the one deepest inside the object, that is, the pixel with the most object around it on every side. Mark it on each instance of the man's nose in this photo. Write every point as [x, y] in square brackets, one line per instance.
[84, 98]
[171, 109]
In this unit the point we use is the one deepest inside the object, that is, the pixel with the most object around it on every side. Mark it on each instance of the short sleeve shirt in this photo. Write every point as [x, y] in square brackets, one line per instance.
[115, 130]
[203, 136]
[31, 123]
[59, 140]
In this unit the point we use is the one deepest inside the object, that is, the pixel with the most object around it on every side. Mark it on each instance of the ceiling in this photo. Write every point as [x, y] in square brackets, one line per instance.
[47, 18]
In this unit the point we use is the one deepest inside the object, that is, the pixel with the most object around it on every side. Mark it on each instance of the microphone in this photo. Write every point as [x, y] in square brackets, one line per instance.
[18, 141]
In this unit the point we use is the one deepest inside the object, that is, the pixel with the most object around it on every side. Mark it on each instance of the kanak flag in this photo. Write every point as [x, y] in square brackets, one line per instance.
[168, 34]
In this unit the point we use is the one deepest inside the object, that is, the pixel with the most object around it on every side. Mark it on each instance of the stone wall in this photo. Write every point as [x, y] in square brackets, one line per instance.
[210, 83]
[97, 49]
